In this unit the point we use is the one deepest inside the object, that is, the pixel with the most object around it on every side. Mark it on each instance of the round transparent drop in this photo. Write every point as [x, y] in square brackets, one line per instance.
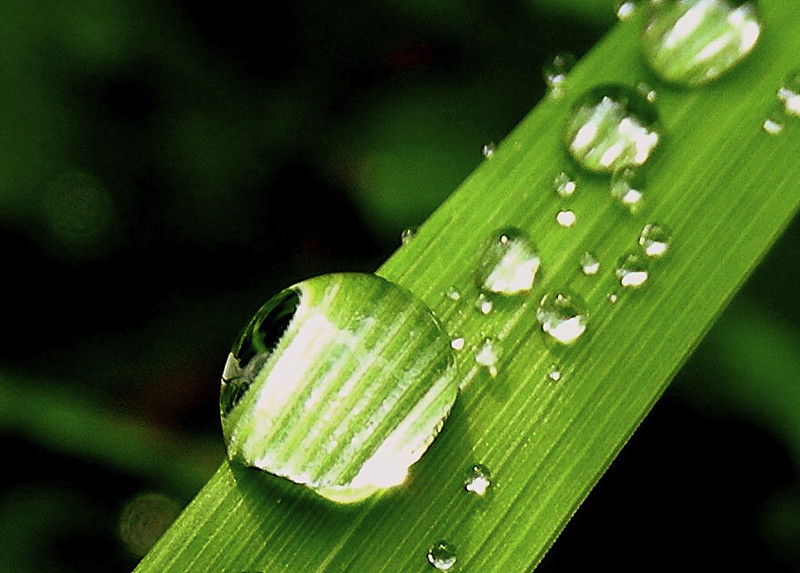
[566, 218]
[789, 94]
[508, 264]
[627, 188]
[633, 270]
[612, 127]
[556, 72]
[339, 383]
[655, 240]
[625, 9]
[489, 149]
[562, 316]
[692, 42]
[564, 185]
[487, 356]
[590, 264]
[478, 480]
[442, 556]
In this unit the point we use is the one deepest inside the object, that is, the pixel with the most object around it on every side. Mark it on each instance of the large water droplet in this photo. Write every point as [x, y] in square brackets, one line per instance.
[789, 94]
[627, 187]
[339, 383]
[655, 240]
[563, 316]
[442, 555]
[508, 264]
[692, 42]
[612, 127]
[478, 480]
[633, 270]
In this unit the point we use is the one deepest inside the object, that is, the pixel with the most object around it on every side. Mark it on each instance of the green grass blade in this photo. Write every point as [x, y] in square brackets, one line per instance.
[725, 187]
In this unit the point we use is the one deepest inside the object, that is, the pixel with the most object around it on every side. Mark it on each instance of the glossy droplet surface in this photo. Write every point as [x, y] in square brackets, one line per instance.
[789, 94]
[564, 185]
[625, 9]
[442, 556]
[489, 149]
[627, 188]
[566, 218]
[554, 374]
[339, 383]
[692, 42]
[407, 236]
[611, 127]
[655, 240]
[633, 270]
[556, 72]
[487, 356]
[478, 480]
[772, 125]
[508, 264]
[562, 316]
[484, 304]
[590, 264]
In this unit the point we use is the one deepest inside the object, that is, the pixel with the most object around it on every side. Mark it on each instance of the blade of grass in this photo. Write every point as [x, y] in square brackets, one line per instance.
[725, 187]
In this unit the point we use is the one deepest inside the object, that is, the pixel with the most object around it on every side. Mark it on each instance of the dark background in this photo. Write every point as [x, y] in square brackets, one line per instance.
[165, 168]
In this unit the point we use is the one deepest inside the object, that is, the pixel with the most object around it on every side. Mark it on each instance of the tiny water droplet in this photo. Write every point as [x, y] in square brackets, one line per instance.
[442, 556]
[564, 185]
[789, 94]
[457, 343]
[563, 316]
[590, 264]
[508, 264]
[487, 356]
[612, 298]
[627, 187]
[611, 127]
[407, 236]
[772, 125]
[649, 93]
[655, 240]
[692, 42]
[488, 150]
[484, 304]
[633, 270]
[625, 9]
[453, 294]
[555, 73]
[554, 374]
[478, 480]
[566, 218]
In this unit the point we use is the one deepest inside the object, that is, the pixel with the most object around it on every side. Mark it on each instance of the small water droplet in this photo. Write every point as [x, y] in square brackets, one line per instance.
[489, 149]
[772, 125]
[625, 9]
[442, 556]
[563, 316]
[484, 304]
[508, 264]
[655, 240]
[612, 127]
[407, 236]
[649, 93]
[478, 480]
[564, 185]
[590, 264]
[789, 94]
[457, 343]
[453, 294]
[554, 374]
[612, 298]
[692, 42]
[633, 270]
[627, 187]
[566, 218]
[487, 356]
[555, 73]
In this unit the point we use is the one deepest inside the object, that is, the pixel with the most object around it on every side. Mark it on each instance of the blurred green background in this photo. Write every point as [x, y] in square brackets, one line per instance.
[166, 167]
